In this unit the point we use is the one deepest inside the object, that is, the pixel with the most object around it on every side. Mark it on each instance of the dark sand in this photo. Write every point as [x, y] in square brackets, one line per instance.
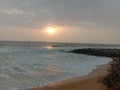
[88, 82]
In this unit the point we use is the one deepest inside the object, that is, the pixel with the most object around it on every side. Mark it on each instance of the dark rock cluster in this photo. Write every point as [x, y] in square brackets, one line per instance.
[98, 52]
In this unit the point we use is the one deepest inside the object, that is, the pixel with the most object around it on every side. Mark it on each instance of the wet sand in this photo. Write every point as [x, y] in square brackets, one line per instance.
[88, 82]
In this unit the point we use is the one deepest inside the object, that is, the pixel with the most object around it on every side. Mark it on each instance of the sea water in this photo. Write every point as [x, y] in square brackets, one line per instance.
[35, 64]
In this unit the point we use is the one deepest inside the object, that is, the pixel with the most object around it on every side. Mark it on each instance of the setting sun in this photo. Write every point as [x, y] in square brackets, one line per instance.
[51, 30]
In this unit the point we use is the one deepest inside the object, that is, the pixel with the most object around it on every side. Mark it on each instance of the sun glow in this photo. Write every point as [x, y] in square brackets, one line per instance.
[51, 30]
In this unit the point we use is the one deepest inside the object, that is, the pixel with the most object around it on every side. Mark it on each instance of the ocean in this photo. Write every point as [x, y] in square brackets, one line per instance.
[34, 64]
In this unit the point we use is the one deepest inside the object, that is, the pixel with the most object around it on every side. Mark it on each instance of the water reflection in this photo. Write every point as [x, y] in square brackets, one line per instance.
[49, 47]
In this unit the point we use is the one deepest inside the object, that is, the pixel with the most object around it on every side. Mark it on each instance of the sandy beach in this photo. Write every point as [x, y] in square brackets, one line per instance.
[88, 82]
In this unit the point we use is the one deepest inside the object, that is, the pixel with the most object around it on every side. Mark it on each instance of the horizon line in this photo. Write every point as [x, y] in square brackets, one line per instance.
[58, 42]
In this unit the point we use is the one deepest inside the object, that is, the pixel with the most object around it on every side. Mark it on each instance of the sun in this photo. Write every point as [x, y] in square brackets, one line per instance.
[51, 30]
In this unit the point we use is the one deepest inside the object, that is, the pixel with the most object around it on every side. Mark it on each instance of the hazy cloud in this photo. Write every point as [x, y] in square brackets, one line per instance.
[83, 13]
[11, 11]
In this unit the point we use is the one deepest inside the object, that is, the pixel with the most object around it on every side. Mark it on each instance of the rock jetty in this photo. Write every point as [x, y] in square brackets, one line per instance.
[98, 52]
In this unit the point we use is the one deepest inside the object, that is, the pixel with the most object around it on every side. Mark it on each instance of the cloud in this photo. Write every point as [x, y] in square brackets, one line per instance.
[83, 13]
[11, 11]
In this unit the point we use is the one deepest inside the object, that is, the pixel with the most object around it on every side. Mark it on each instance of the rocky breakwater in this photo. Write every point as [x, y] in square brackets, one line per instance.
[98, 52]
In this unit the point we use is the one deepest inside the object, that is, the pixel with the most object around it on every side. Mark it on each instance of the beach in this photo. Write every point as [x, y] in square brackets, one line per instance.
[25, 65]
[59, 44]
[88, 82]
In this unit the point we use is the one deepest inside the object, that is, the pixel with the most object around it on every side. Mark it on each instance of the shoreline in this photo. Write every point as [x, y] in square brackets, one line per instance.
[85, 82]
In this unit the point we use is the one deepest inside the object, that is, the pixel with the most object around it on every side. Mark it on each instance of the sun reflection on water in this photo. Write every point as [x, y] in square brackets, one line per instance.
[49, 47]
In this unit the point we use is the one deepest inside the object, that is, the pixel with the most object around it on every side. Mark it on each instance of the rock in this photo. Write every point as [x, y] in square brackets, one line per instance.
[98, 52]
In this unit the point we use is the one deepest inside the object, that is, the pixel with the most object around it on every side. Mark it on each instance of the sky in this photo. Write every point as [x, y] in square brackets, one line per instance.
[78, 21]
